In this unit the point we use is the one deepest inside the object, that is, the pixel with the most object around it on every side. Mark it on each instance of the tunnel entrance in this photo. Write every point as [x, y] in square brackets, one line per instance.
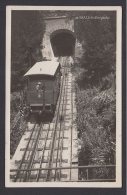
[63, 43]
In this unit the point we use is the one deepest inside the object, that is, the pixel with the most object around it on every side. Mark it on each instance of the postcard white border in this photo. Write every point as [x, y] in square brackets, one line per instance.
[118, 182]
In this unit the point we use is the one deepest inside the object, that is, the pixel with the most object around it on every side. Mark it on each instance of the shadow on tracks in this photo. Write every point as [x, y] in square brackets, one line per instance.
[44, 118]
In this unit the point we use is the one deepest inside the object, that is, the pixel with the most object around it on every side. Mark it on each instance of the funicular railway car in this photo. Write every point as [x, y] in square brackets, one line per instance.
[43, 86]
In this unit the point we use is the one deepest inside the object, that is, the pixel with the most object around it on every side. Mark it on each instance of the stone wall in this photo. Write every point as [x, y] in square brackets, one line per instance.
[53, 25]
[78, 51]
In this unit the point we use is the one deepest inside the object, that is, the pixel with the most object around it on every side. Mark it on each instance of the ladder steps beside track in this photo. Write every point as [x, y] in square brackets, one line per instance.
[66, 115]
[49, 130]
[65, 104]
[67, 100]
[40, 149]
[67, 121]
[65, 129]
[67, 118]
[49, 138]
[27, 161]
[33, 139]
[67, 109]
[63, 148]
[41, 176]
[44, 161]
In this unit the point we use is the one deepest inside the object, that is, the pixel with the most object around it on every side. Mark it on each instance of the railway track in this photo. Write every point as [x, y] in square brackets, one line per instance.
[46, 143]
[48, 151]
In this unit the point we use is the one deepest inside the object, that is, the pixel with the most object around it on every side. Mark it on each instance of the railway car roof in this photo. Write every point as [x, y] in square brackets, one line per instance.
[43, 67]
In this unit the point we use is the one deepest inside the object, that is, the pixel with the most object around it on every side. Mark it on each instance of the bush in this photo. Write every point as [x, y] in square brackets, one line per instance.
[15, 103]
[96, 122]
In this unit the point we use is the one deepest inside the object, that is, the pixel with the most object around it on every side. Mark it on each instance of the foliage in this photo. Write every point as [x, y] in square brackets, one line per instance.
[26, 43]
[96, 93]
[98, 41]
[15, 103]
[17, 121]
[16, 133]
[96, 124]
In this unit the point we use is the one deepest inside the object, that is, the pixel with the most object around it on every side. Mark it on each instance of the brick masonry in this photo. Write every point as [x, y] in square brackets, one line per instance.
[56, 24]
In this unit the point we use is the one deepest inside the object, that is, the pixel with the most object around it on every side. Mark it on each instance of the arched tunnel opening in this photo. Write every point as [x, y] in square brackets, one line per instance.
[63, 43]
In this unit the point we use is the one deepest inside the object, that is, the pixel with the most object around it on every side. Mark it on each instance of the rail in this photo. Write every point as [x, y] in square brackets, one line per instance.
[50, 162]
[23, 158]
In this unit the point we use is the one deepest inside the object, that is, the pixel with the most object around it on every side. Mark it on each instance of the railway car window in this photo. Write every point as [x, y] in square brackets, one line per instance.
[33, 85]
[46, 82]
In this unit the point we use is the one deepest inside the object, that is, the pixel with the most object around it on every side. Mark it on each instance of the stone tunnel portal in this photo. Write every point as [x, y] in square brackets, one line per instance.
[63, 43]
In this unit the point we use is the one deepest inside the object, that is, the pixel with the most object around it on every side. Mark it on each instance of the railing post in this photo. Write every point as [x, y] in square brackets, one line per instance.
[87, 175]
[53, 97]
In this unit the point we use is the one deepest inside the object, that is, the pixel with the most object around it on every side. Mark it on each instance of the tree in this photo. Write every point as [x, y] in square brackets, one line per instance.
[98, 38]
[26, 43]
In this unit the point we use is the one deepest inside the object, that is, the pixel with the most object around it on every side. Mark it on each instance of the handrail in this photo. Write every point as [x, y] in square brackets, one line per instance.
[69, 167]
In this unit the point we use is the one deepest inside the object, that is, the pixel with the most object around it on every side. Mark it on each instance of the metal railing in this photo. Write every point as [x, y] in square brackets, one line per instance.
[86, 169]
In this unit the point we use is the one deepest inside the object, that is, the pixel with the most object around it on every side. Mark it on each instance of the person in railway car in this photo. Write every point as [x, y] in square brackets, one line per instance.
[38, 86]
